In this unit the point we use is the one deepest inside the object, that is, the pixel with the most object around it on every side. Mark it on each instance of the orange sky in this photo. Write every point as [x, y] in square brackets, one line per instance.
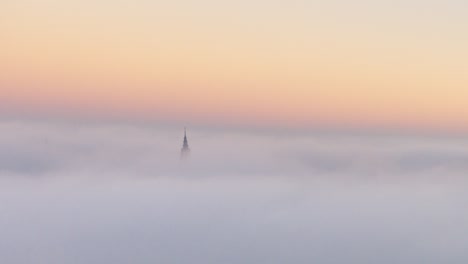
[299, 64]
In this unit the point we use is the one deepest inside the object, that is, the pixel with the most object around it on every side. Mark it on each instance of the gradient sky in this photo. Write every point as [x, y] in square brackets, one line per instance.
[336, 63]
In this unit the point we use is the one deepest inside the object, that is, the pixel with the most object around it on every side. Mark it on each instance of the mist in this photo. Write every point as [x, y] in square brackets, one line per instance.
[119, 193]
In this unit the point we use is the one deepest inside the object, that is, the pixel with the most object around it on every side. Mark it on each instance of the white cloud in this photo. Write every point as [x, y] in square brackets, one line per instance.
[119, 194]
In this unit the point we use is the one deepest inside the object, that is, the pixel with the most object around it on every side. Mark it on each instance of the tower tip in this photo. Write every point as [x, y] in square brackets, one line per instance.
[185, 147]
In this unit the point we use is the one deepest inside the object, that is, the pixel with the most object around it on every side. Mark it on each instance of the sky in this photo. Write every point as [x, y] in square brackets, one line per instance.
[323, 132]
[338, 64]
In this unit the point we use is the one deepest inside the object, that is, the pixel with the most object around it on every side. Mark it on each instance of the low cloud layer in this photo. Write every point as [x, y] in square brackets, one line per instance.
[41, 149]
[120, 194]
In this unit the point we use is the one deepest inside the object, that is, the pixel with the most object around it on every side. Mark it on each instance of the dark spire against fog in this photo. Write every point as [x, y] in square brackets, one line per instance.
[185, 151]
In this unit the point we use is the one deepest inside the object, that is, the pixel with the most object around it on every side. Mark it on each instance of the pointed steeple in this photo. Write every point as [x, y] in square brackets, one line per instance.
[185, 138]
[185, 151]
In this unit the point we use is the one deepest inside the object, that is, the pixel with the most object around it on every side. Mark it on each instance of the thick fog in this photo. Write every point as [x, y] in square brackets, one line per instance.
[93, 194]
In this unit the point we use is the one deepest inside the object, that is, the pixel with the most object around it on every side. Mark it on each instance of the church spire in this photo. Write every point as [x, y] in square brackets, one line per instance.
[185, 151]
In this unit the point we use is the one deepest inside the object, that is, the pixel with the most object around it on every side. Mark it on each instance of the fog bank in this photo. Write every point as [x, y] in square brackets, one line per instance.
[120, 194]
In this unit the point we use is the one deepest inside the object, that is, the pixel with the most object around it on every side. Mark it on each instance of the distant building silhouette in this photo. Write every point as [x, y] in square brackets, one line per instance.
[185, 151]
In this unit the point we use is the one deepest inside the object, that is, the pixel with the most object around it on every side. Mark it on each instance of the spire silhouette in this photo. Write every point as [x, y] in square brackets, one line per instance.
[185, 151]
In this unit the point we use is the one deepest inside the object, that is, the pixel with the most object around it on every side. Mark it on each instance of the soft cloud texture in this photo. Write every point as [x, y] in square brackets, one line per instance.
[77, 193]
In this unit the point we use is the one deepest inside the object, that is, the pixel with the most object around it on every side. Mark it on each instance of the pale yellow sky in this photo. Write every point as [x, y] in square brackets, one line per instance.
[400, 64]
